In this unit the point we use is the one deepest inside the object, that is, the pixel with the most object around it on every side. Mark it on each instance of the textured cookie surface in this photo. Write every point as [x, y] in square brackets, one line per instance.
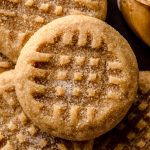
[19, 19]
[5, 63]
[133, 133]
[73, 79]
[17, 132]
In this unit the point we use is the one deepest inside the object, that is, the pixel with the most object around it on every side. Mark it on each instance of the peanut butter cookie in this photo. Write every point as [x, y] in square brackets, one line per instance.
[137, 16]
[16, 130]
[133, 133]
[19, 19]
[145, 2]
[75, 81]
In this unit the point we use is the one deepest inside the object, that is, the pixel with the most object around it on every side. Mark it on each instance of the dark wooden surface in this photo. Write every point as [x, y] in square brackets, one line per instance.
[142, 51]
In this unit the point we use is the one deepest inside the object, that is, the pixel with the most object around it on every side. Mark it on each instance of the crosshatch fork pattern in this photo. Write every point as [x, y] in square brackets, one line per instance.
[77, 79]
[19, 19]
[18, 132]
[74, 77]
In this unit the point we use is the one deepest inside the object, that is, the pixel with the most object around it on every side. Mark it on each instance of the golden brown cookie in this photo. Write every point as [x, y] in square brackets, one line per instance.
[145, 2]
[133, 133]
[137, 16]
[16, 130]
[19, 19]
[74, 79]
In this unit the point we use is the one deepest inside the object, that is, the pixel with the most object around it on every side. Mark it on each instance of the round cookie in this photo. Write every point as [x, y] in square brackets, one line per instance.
[19, 19]
[133, 133]
[16, 130]
[72, 79]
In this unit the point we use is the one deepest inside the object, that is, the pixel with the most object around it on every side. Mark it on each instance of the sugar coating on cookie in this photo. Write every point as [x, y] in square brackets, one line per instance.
[134, 131]
[17, 131]
[21, 18]
[66, 81]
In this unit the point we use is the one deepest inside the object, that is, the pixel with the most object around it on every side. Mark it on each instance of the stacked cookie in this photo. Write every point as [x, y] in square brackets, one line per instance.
[75, 77]
[19, 19]
[133, 133]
